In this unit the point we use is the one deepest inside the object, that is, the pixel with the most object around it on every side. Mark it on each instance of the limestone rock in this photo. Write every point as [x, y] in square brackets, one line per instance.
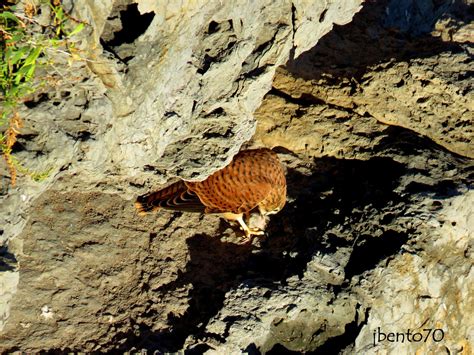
[378, 231]
[420, 83]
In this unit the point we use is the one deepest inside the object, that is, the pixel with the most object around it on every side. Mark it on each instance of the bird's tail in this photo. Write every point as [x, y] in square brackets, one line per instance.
[174, 197]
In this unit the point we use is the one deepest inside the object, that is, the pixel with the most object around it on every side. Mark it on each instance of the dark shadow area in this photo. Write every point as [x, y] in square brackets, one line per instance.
[339, 192]
[332, 346]
[405, 142]
[8, 261]
[280, 349]
[251, 350]
[134, 25]
[22, 142]
[215, 267]
[57, 351]
[42, 97]
[383, 31]
[417, 18]
[369, 251]
[337, 344]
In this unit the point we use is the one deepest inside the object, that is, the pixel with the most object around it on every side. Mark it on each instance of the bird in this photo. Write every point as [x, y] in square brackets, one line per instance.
[253, 183]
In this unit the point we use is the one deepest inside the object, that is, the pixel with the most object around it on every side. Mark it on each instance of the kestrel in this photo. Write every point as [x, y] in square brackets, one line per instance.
[254, 182]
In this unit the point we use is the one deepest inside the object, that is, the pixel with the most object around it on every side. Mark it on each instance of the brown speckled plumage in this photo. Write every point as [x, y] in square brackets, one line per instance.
[254, 179]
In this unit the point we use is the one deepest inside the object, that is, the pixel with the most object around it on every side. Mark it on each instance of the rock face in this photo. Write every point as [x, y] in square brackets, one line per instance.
[374, 125]
[173, 97]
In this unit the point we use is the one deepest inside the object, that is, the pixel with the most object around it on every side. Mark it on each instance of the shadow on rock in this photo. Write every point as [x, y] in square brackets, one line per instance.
[343, 203]
[328, 207]
[383, 31]
[215, 267]
[8, 261]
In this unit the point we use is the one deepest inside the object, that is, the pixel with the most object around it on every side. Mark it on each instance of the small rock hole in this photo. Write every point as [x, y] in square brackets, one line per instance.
[322, 16]
[134, 25]
[213, 27]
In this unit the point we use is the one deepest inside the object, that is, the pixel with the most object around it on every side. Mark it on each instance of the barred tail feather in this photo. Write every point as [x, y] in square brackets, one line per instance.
[142, 208]
[174, 197]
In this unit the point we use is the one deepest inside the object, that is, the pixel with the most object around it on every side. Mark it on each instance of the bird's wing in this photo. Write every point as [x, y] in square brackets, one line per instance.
[229, 196]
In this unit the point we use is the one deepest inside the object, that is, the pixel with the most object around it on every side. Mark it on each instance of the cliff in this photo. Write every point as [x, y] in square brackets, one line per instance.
[369, 105]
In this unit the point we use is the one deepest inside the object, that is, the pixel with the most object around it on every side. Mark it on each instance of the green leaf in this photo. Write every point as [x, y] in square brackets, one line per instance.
[30, 72]
[7, 15]
[9, 53]
[12, 92]
[76, 30]
[31, 59]
[60, 13]
[17, 36]
[19, 54]
[21, 73]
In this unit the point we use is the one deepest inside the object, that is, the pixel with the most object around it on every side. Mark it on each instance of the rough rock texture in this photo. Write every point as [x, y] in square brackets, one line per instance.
[378, 232]
[424, 84]
[167, 89]
[162, 76]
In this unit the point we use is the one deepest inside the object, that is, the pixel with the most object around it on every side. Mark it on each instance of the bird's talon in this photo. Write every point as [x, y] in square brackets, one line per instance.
[249, 235]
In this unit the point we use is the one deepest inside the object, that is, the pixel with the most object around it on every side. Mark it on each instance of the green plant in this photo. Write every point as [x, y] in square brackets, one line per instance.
[24, 46]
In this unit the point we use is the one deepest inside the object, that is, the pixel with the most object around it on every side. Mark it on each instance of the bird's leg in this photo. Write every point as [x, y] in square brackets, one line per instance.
[248, 231]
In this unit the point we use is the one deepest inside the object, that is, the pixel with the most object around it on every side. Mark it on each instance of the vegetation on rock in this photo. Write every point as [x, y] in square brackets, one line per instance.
[25, 45]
